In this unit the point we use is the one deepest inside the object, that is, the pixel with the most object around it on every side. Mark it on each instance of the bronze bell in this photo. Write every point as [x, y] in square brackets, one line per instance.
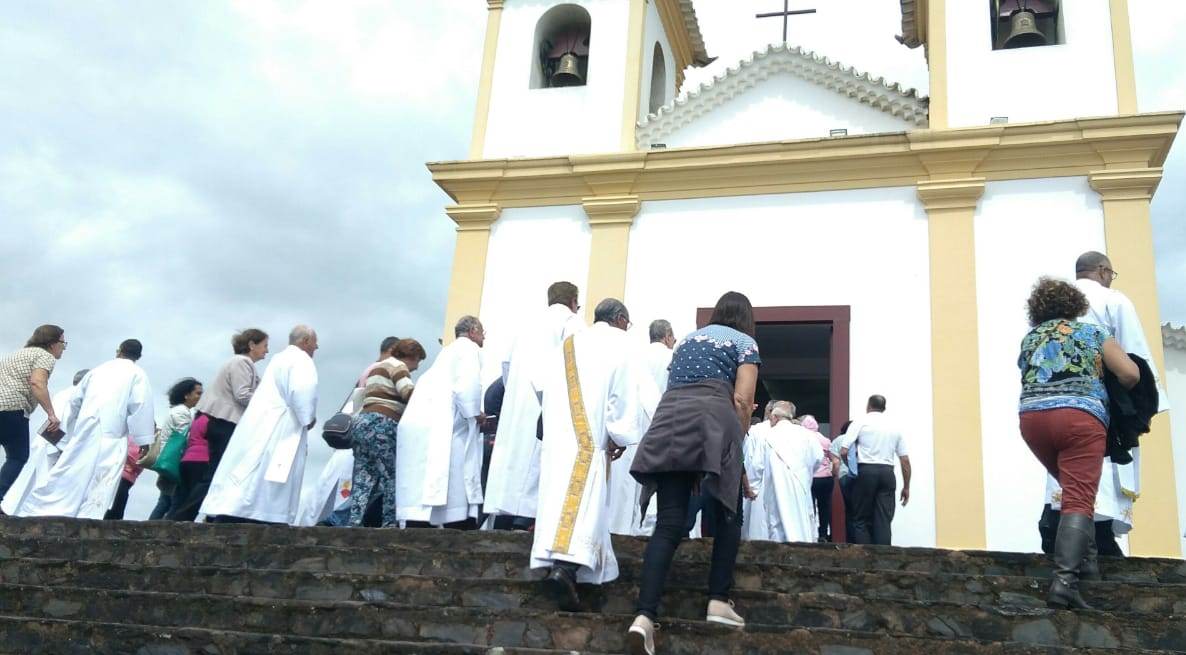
[1024, 31]
[568, 72]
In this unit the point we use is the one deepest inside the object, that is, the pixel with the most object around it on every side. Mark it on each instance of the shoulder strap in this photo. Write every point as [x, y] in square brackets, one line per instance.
[584, 459]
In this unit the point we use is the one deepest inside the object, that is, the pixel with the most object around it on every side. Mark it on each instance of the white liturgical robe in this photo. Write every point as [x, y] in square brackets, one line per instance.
[42, 454]
[658, 358]
[573, 520]
[754, 524]
[512, 484]
[261, 471]
[332, 490]
[624, 491]
[111, 403]
[793, 454]
[438, 461]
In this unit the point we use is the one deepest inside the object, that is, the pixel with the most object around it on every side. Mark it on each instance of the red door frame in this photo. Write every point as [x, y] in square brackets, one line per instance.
[839, 317]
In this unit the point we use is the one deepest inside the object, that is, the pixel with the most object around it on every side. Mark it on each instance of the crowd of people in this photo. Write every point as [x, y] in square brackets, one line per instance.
[581, 435]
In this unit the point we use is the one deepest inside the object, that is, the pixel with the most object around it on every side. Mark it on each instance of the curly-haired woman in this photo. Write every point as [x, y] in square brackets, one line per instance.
[1064, 417]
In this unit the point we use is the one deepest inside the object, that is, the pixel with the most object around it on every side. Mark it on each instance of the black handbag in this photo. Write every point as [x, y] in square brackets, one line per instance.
[338, 431]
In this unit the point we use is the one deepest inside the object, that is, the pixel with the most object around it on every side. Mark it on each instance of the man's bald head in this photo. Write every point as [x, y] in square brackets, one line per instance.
[1096, 266]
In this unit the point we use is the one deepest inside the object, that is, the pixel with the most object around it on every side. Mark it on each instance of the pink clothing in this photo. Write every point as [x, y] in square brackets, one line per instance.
[824, 470]
[132, 470]
[197, 449]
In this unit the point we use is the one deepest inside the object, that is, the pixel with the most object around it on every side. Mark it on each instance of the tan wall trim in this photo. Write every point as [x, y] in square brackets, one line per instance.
[610, 218]
[955, 368]
[1125, 195]
[469, 261]
[677, 35]
[1126, 79]
[994, 152]
[486, 81]
[936, 40]
[632, 94]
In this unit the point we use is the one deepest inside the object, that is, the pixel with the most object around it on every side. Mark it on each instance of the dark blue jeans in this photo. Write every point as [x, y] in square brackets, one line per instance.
[14, 437]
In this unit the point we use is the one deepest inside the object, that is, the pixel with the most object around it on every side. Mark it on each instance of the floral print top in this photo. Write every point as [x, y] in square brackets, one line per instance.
[1062, 366]
[712, 352]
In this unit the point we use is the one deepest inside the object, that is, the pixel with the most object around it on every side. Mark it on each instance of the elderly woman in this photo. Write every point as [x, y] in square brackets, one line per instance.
[24, 384]
[1064, 417]
[385, 397]
[695, 442]
[823, 482]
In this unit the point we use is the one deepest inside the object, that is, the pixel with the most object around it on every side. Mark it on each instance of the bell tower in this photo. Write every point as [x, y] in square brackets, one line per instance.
[574, 77]
[1026, 60]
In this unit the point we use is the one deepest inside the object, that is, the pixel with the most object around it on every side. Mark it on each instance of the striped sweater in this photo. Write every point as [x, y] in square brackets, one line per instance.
[388, 388]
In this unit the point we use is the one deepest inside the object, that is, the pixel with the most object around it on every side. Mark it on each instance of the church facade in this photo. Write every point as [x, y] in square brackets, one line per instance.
[912, 226]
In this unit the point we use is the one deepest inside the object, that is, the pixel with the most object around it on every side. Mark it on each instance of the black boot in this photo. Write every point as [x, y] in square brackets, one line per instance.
[1075, 532]
[1090, 570]
[561, 583]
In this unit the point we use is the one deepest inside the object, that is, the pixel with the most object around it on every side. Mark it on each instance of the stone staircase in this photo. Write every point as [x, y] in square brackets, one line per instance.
[70, 586]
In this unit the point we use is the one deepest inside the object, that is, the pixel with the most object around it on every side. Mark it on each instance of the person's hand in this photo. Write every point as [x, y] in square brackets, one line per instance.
[843, 453]
[52, 424]
[482, 420]
[748, 491]
[905, 495]
[615, 452]
[310, 426]
[143, 451]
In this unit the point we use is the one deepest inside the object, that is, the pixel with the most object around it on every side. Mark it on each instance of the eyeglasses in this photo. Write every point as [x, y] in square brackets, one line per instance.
[1110, 272]
[62, 341]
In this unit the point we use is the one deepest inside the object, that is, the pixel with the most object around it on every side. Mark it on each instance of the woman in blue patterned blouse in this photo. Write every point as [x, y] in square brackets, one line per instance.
[1064, 418]
[695, 442]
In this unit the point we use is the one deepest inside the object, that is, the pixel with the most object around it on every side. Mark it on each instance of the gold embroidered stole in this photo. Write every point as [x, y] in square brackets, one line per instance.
[584, 459]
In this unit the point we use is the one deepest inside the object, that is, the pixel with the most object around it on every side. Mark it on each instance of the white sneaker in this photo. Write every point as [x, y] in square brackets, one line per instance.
[720, 611]
[640, 638]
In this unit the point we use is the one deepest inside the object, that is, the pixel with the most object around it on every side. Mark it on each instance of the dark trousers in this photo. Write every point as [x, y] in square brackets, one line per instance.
[116, 513]
[673, 495]
[192, 474]
[14, 437]
[1105, 535]
[821, 493]
[846, 485]
[163, 504]
[218, 435]
[873, 504]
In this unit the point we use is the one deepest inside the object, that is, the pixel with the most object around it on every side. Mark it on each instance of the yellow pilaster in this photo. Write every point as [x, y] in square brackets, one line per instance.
[486, 81]
[936, 31]
[1126, 81]
[955, 368]
[469, 261]
[632, 94]
[1126, 194]
[610, 218]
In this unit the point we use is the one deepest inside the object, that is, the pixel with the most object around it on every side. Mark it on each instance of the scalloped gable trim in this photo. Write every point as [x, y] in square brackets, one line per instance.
[876, 92]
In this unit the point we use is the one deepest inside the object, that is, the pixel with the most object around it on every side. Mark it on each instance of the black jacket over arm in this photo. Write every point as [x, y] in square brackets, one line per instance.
[1130, 411]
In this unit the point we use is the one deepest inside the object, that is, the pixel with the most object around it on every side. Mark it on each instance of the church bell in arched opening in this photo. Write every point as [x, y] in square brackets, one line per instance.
[568, 71]
[1023, 30]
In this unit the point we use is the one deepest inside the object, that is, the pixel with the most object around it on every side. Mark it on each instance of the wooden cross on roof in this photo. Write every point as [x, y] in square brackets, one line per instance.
[786, 13]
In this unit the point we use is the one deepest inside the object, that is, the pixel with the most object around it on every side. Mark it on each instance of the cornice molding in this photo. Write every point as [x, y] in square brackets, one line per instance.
[474, 217]
[1014, 151]
[914, 23]
[611, 210]
[1126, 184]
[951, 194]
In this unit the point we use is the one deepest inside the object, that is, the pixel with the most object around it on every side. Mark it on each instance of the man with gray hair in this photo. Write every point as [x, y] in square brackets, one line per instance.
[792, 455]
[753, 452]
[590, 412]
[659, 352]
[439, 449]
[259, 477]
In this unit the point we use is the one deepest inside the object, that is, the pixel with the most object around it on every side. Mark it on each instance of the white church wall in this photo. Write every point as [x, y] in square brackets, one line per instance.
[1175, 383]
[655, 34]
[1024, 229]
[1071, 80]
[529, 250]
[557, 121]
[782, 107]
[867, 249]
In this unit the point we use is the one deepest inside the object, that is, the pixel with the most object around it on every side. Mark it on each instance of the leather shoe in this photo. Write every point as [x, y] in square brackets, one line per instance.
[562, 585]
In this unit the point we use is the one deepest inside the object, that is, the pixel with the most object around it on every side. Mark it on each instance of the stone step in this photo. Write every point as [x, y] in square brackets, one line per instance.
[598, 632]
[818, 555]
[60, 637]
[756, 587]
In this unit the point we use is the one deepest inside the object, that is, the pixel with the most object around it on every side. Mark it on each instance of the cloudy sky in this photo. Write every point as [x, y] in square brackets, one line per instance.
[173, 171]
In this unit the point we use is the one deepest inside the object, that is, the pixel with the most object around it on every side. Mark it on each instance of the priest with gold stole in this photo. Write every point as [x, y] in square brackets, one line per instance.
[590, 413]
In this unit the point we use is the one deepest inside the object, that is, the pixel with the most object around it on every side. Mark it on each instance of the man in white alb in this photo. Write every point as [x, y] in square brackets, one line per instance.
[754, 523]
[793, 453]
[438, 461]
[879, 442]
[42, 454]
[112, 402]
[513, 482]
[590, 413]
[259, 478]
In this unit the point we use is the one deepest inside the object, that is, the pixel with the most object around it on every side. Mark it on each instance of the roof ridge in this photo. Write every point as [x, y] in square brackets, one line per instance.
[895, 99]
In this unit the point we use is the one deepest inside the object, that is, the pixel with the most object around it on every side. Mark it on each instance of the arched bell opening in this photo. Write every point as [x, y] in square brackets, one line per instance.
[658, 81]
[562, 48]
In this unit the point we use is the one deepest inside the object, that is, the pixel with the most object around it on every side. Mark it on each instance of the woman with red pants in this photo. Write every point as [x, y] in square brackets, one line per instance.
[1064, 417]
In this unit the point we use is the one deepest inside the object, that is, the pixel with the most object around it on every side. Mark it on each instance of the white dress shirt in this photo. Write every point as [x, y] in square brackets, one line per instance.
[878, 439]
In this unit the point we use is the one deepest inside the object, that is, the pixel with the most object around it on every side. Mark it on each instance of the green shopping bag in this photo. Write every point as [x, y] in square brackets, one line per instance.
[168, 463]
